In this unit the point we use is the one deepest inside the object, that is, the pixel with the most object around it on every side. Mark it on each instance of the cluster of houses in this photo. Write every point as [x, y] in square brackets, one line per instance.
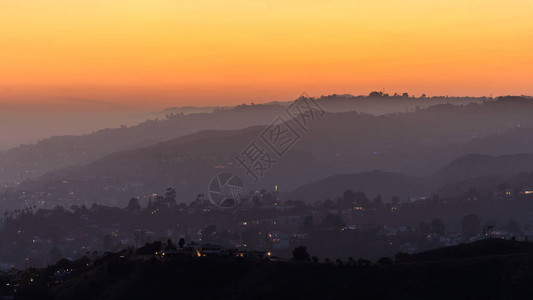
[211, 250]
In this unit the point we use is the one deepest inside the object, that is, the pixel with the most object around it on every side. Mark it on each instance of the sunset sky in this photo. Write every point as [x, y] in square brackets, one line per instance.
[207, 52]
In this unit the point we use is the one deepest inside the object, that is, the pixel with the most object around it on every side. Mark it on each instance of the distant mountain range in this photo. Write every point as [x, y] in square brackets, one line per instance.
[416, 143]
[31, 161]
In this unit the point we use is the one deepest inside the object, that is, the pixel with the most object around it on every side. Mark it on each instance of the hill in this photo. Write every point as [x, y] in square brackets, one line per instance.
[416, 144]
[487, 269]
[385, 184]
[484, 172]
[33, 160]
[477, 249]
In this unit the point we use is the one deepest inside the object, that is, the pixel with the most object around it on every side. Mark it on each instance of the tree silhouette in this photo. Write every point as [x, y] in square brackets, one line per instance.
[384, 261]
[133, 205]
[171, 245]
[300, 254]
[170, 197]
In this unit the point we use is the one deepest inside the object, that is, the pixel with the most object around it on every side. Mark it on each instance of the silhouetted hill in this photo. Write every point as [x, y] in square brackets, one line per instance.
[31, 161]
[486, 269]
[340, 143]
[374, 183]
[485, 247]
[484, 172]
[475, 165]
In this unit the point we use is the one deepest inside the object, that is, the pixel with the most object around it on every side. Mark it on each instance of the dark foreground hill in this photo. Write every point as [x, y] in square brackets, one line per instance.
[487, 269]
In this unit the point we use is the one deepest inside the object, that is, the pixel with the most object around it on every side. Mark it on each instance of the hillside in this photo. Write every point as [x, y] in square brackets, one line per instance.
[488, 269]
[484, 172]
[375, 183]
[476, 165]
[416, 144]
[31, 161]
[477, 249]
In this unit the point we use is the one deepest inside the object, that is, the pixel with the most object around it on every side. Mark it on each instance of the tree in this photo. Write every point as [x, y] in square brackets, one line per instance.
[348, 198]
[437, 226]
[361, 199]
[470, 225]
[384, 261]
[300, 254]
[133, 205]
[364, 262]
[150, 205]
[351, 261]
[170, 197]
[171, 245]
[181, 243]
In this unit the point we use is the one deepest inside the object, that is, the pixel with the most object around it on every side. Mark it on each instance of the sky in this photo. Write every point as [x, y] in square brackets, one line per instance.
[156, 53]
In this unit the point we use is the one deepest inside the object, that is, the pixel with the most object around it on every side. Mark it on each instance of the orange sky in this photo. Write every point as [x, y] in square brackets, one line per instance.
[226, 52]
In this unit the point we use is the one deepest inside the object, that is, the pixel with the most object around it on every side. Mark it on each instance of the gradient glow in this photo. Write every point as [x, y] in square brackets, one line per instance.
[225, 52]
